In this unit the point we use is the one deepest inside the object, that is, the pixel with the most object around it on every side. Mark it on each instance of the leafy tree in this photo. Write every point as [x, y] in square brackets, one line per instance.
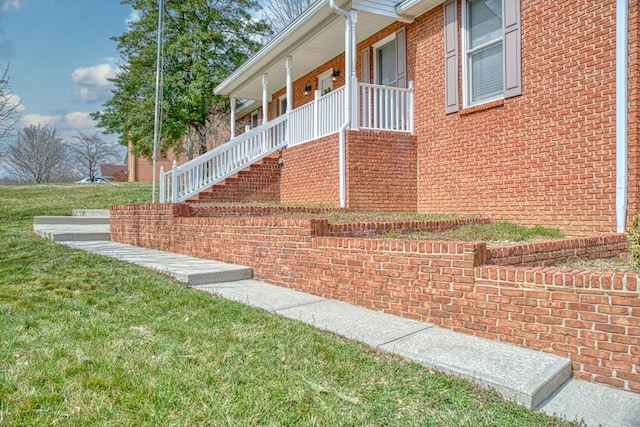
[8, 105]
[38, 154]
[90, 152]
[279, 13]
[203, 41]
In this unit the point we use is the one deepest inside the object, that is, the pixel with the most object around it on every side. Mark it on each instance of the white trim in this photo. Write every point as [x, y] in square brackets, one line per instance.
[622, 113]
[254, 115]
[280, 99]
[323, 76]
[415, 8]
[391, 37]
[466, 80]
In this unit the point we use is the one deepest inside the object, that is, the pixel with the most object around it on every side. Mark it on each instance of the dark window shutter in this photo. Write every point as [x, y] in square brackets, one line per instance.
[451, 56]
[401, 58]
[365, 63]
[511, 48]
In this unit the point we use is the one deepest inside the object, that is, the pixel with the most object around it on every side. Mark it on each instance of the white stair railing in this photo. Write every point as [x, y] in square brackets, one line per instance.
[377, 108]
[203, 172]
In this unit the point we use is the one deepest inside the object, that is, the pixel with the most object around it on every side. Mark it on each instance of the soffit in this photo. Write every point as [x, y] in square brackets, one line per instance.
[311, 43]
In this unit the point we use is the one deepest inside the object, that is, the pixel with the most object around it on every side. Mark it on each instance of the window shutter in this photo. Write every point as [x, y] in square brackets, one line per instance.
[451, 56]
[401, 58]
[511, 48]
[365, 63]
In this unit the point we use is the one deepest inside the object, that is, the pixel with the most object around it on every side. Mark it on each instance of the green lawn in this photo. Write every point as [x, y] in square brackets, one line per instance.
[87, 340]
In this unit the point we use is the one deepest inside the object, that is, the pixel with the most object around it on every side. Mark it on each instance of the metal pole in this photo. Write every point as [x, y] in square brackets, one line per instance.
[156, 121]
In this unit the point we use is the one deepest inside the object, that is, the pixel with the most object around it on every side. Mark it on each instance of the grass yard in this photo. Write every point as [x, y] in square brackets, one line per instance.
[87, 340]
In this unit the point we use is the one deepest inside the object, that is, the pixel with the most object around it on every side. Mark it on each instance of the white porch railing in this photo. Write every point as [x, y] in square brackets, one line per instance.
[320, 117]
[187, 180]
[386, 108]
[377, 107]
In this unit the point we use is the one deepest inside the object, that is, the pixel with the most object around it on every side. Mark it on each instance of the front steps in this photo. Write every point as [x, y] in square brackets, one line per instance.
[89, 230]
[82, 225]
[260, 182]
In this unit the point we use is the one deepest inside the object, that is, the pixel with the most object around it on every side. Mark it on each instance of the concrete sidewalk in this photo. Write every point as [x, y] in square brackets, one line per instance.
[535, 379]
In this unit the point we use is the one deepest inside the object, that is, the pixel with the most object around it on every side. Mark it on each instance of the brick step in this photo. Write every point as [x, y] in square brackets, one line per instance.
[259, 182]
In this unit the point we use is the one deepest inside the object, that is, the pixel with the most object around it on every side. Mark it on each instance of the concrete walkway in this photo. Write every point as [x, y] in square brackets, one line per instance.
[537, 380]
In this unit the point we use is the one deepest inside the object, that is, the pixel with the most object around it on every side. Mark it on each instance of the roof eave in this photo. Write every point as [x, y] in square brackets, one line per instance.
[272, 48]
[416, 8]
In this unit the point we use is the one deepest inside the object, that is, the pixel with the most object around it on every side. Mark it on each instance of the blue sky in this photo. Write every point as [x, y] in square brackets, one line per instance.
[61, 55]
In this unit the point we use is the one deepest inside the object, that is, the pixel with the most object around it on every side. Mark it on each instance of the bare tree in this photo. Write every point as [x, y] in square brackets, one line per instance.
[279, 13]
[37, 155]
[8, 105]
[90, 152]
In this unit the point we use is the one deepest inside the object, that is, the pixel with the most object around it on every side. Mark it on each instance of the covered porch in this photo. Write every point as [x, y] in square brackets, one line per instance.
[312, 80]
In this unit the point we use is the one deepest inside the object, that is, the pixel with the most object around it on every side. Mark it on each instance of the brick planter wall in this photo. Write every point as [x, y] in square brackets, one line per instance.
[593, 318]
[551, 252]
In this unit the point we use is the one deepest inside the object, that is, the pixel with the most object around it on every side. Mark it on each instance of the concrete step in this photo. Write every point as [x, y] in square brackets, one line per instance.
[524, 375]
[70, 220]
[187, 269]
[520, 374]
[71, 232]
[91, 212]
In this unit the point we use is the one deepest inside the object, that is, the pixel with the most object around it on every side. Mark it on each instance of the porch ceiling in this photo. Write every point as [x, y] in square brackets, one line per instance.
[311, 43]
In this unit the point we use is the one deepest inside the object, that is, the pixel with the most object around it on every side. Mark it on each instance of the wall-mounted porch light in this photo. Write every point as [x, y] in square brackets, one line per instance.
[335, 75]
[307, 90]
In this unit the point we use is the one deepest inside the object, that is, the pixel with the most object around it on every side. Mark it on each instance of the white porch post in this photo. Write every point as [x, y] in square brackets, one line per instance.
[352, 68]
[289, 65]
[233, 117]
[349, 63]
[265, 101]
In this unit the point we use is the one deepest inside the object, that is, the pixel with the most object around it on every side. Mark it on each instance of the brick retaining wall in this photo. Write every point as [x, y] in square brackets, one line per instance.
[593, 318]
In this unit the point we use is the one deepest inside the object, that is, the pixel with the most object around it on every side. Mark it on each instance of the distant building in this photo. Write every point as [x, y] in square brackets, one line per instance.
[114, 172]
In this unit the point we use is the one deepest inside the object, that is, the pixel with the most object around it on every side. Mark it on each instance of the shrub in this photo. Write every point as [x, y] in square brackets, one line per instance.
[634, 240]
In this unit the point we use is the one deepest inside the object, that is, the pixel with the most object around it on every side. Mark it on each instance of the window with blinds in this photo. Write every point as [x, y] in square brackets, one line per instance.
[484, 50]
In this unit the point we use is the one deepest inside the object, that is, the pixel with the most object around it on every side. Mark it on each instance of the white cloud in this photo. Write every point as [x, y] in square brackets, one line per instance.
[8, 4]
[69, 122]
[94, 81]
[67, 125]
[12, 100]
[96, 76]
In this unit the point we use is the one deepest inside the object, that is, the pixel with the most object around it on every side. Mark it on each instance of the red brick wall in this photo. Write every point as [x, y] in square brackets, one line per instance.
[310, 173]
[593, 318]
[381, 171]
[547, 156]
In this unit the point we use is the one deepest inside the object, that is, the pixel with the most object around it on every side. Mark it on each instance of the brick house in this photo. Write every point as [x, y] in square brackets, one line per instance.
[522, 110]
